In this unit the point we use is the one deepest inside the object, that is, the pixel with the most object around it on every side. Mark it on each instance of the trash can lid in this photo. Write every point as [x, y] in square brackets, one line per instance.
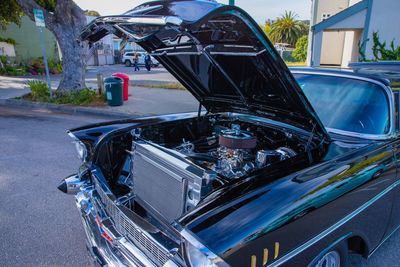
[120, 75]
[110, 80]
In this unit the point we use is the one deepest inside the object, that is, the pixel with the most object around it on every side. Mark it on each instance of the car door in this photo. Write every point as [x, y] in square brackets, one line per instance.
[394, 223]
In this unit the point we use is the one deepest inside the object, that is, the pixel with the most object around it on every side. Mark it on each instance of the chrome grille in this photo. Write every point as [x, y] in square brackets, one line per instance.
[127, 228]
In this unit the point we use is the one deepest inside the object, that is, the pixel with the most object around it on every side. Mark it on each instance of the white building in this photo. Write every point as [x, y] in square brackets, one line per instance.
[102, 52]
[7, 49]
[340, 28]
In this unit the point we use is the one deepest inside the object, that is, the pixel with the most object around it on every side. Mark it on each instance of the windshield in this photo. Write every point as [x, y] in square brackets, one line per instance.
[347, 104]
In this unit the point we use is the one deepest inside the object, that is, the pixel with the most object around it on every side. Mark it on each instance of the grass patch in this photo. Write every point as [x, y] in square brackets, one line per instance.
[296, 64]
[173, 86]
[85, 97]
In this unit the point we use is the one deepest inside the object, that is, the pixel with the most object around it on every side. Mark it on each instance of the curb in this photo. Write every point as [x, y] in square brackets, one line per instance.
[66, 108]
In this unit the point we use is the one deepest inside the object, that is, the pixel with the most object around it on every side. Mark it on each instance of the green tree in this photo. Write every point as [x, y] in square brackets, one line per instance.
[92, 13]
[266, 27]
[300, 53]
[287, 29]
[10, 12]
[65, 19]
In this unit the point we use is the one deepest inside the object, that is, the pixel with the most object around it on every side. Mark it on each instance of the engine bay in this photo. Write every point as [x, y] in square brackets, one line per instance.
[172, 166]
[229, 147]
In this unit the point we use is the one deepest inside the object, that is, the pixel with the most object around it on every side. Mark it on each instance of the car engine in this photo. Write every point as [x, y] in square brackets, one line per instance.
[170, 177]
[234, 157]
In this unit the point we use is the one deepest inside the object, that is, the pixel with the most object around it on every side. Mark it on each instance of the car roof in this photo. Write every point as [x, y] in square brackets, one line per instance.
[382, 77]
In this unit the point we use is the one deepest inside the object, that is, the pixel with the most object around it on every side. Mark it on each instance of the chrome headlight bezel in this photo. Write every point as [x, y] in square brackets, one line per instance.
[198, 255]
[80, 148]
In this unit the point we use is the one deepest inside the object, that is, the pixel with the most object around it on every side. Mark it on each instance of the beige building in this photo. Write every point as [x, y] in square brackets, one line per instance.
[341, 28]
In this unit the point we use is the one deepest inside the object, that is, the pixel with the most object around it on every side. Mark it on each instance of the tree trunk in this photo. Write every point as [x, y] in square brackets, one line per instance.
[66, 22]
[73, 61]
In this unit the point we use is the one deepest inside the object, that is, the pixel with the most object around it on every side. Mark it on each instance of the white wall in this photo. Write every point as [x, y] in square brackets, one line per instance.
[332, 48]
[330, 7]
[350, 51]
[385, 18]
[7, 49]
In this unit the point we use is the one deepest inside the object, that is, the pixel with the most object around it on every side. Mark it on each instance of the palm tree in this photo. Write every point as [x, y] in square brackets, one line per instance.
[287, 29]
[266, 27]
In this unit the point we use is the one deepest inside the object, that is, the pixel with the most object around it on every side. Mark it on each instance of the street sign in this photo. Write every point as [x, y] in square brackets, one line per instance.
[39, 17]
[39, 20]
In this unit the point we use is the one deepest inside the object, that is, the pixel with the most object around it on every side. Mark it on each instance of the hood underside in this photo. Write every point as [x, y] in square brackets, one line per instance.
[219, 54]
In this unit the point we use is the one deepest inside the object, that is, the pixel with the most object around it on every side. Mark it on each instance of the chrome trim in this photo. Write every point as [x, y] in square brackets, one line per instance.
[189, 237]
[73, 184]
[127, 227]
[359, 135]
[77, 140]
[334, 227]
[121, 251]
[70, 134]
[176, 53]
[156, 21]
[249, 54]
[132, 256]
[389, 94]
[161, 21]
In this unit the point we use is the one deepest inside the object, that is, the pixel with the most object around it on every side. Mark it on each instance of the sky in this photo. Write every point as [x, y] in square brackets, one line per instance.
[260, 10]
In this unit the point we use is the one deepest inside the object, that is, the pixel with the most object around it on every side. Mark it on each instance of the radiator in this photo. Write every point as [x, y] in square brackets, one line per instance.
[166, 182]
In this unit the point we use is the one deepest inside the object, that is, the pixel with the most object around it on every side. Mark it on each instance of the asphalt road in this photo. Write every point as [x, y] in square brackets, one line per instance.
[40, 226]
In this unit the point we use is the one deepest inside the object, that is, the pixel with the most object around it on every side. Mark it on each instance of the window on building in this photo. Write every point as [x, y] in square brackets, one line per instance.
[116, 44]
[326, 16]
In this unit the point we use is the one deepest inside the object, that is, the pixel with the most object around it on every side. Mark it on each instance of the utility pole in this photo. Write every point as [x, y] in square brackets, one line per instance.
[231, 2]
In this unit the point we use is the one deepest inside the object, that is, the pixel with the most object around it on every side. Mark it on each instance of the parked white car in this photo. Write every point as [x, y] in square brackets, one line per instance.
[128, 59]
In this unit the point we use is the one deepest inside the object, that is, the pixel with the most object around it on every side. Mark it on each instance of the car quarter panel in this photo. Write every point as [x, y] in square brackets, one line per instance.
[395, 218]
[296, 217]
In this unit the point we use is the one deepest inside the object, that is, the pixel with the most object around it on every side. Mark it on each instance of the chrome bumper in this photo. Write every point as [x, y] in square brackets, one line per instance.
[120, 253]
[115, 251]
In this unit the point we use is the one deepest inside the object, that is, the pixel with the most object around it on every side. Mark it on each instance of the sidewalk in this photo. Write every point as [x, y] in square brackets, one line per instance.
[142, 100]
[11, 87]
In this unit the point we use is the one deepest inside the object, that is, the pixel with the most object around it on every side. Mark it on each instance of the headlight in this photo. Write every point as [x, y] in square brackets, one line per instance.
[81, 150]
[198, 255]
[80, 147]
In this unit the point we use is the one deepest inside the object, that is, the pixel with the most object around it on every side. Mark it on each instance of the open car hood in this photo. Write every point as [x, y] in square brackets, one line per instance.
[219, 54]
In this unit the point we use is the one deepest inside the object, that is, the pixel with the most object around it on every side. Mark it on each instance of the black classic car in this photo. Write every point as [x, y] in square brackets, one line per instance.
[277, 167]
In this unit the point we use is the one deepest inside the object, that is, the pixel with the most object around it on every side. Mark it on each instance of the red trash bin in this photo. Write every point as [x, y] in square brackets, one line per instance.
[125, 88]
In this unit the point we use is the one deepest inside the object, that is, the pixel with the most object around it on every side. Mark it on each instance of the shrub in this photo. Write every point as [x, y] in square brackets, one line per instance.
[379, 49]
[39, 90]
[300, 53]
[8, 40]
[55, 67]
[37, 66]
[12, 71]
[81, 97]
[3, 59]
